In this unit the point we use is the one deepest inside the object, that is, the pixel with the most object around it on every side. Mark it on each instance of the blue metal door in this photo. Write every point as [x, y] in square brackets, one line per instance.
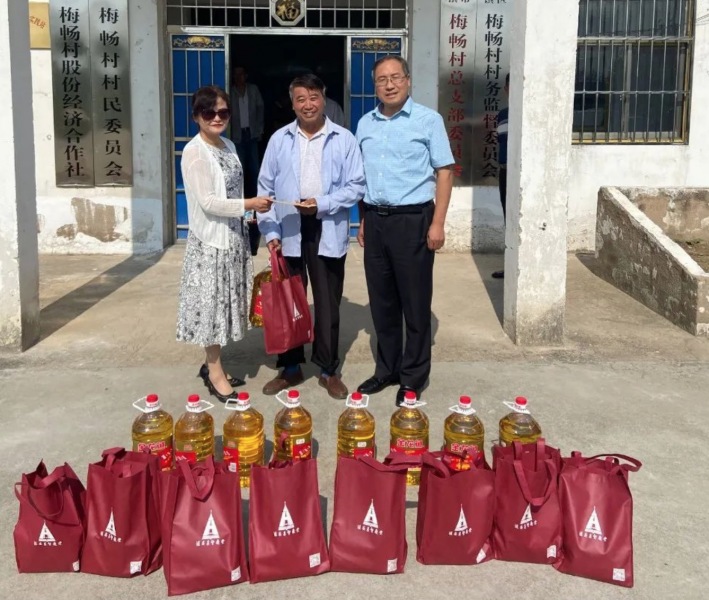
[363, 53]
[197, 60]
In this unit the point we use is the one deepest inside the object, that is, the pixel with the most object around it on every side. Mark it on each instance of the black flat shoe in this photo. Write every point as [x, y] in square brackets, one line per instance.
[204, 374]
[402, 393]
[374, 385]
[219, 396]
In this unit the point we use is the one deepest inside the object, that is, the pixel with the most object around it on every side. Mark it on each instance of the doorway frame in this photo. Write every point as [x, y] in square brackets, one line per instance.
[347, 34]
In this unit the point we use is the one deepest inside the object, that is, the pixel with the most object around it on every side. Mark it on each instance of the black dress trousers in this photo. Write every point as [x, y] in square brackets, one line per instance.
[327, 276]
[399, 269]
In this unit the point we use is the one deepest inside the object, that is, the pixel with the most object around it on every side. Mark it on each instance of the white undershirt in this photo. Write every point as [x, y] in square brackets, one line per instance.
[311, 163]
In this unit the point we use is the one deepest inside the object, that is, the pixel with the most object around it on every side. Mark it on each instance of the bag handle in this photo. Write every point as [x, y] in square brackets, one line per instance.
[541, 449]
[383, 467]
[524, 486]
[111, 455]
[189, 475]
[278, 265]
[399, 459]
[634, 466]
[28, 499]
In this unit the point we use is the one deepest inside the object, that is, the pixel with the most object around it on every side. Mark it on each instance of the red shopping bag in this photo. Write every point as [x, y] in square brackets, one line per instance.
[50, 529]
[455, 512]
[286, 315]
[527, 512]
[286, 532]
[203, 539]
[368, 533]
[123, 526]
[597, 513]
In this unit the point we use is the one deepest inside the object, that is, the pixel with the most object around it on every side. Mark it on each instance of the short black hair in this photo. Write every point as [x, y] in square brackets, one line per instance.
[205, 98]
[309, 81]
[400, 59]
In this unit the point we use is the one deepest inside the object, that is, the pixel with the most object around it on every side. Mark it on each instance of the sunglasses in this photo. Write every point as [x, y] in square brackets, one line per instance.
[210, 115]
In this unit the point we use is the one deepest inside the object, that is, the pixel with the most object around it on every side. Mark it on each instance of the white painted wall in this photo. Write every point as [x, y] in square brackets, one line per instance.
[134, 217]
[643, 165]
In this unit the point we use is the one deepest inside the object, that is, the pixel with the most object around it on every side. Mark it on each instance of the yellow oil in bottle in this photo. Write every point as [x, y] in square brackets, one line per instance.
[152, 431]
[244, 438]
[519, 425]
[409, 433]
[256, 311]
[355, 429]
[292, 430]
[464, 435]
[194, 432]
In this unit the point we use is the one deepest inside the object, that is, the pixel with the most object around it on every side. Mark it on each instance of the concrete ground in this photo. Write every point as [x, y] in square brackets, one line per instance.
[625, 381]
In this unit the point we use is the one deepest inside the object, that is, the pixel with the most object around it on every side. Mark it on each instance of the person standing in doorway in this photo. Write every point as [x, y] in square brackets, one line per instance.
[246, 131]
[334, 112]
[317, 165]
[409, 168]
[217, 273]
[502, 131]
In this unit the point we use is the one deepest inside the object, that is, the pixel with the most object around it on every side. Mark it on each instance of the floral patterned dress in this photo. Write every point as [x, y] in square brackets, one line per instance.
[215, 290]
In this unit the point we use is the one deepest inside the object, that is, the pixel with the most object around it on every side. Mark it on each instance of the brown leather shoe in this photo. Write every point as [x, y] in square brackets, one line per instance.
[334, 387]
[282, 382]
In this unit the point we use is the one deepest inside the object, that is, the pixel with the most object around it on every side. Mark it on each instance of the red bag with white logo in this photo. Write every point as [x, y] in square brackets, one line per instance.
[368, 533]
[203, 539]
[286, 533]
[286, 314]
[50, 529]
[455, 512]
[597, 512]
[527, 512]
[123, 526]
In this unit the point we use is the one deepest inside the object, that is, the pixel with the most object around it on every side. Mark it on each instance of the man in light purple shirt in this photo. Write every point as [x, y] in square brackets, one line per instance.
[318, 165]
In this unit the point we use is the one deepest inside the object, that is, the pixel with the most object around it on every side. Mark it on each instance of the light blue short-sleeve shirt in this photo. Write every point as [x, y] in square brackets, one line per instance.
[401, 153]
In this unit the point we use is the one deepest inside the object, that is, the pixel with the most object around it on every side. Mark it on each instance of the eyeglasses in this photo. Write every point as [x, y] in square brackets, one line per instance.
[395, 79]
[209, 114]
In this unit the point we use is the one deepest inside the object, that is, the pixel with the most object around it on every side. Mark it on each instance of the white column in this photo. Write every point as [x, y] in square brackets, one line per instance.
[544, 38]
[19, 267]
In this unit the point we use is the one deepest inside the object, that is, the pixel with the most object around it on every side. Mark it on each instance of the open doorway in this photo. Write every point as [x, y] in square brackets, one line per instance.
[273, 61]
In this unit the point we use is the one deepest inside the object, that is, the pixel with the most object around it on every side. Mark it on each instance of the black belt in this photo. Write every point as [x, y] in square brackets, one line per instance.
[393, 209]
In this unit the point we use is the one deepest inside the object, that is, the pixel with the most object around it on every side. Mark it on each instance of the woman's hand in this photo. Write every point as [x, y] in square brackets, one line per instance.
[259, 204]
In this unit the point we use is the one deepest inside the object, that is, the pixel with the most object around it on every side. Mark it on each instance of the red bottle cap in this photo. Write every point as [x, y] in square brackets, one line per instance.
[193, 399]
[151, 400]
[293, 394]
[465, 401]
[521, 401]
[243, 396]
[356, 397]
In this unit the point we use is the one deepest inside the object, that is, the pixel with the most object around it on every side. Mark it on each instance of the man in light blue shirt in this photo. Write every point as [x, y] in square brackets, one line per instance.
[408, 164]
[317, 165]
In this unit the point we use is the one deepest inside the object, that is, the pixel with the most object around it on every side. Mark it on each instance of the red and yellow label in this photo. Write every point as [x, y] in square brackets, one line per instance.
[302, 447]
[161, 449]
[231, 458]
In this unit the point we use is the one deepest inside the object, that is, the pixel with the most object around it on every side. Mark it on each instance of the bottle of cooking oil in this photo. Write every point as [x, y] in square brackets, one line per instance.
[293, 429]
[355, 428]
[519, 425]
[243, 438]
[194, 431]
[409, 433]
[256, 311]
[464, 435]
[152, 431]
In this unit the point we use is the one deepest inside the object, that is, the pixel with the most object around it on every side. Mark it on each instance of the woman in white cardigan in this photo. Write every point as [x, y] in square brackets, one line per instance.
[217, 273]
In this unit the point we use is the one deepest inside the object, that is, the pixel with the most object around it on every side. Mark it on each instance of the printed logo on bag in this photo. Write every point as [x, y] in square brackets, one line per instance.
[76, 566]
[296, 313]
[210, 537]
[618, 574]
[236, 574]
[392, 565]
[593, 529]
[527, 520]
[461, 529]
[136, 566]
[110, 532]
[286, 526]
[481, 556]
[314, 560]
[46, 538]
[370, 523]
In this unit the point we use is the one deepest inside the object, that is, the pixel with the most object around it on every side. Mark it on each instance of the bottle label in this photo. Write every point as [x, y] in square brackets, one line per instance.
[231, 457]
[408, 446]
[161, 449]
[363, 449]
[301, 447]
[258, 305]
[186, 453]
[463, 456]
